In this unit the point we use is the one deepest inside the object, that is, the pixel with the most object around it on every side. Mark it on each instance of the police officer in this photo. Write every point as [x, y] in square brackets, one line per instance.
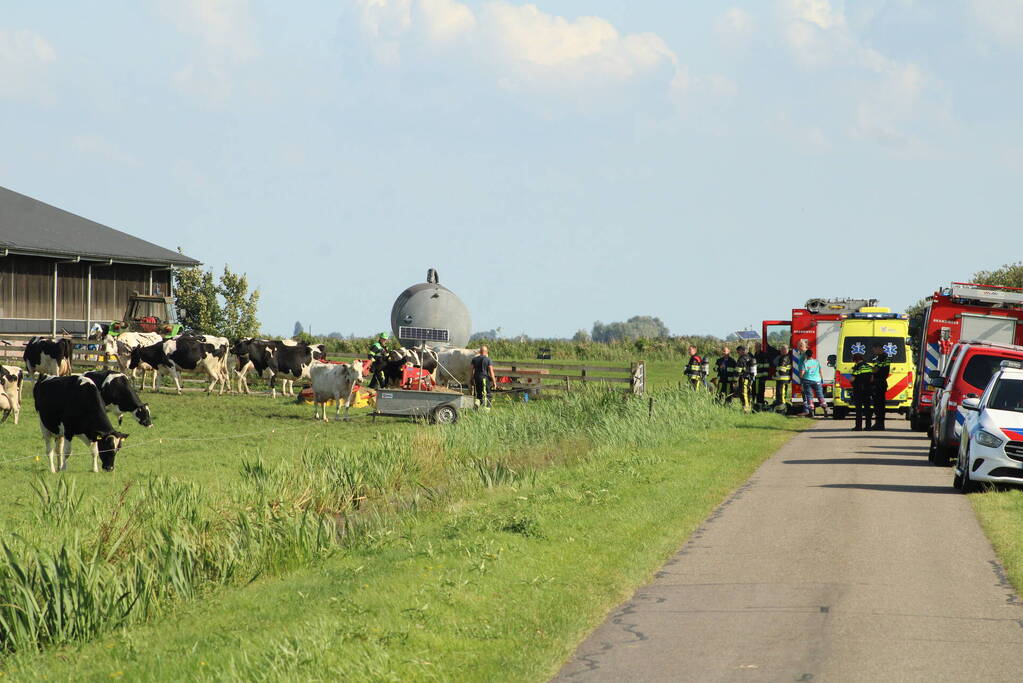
[882, 368]
[726, 375]
[862, 390]
[694, 368]
[746, 367]
[378, 355]
[763, 359]
[783, 378]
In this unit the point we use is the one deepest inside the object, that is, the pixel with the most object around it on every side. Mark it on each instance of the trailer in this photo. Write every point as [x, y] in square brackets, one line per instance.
[961, 312]
[440, 407]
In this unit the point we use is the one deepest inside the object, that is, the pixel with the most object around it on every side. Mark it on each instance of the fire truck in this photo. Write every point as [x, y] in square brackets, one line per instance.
[817, 325]
[963, 311]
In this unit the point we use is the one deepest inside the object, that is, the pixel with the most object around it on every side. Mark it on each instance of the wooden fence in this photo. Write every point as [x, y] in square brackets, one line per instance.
[531, 375]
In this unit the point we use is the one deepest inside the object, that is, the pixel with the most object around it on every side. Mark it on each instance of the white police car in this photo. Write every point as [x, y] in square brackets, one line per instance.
[991, 448]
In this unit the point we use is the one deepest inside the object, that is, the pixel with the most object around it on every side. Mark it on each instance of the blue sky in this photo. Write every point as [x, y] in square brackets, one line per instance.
[713, 164]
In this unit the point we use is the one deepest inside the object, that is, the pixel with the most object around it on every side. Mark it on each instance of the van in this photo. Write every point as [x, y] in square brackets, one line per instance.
[859, 333]
[971, 366]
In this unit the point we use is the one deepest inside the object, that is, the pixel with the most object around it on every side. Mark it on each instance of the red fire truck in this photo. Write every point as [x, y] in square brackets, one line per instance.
[967, 312]
[817, 324]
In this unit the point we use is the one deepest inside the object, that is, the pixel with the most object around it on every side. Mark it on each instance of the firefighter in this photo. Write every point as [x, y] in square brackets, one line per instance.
[746, 368]
[763, 359]
[694, 369]
[726, 375]
[862, 390]
[378, 356]
[783, 378]
[882, 368]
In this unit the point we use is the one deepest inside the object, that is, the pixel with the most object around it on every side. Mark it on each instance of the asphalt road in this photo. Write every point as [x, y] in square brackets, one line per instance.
[846, 557]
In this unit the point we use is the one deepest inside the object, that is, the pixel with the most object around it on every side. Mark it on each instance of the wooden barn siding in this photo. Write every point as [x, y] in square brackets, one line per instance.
[26, 288]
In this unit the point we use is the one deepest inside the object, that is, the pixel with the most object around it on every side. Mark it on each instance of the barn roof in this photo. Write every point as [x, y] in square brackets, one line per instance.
[29, 226]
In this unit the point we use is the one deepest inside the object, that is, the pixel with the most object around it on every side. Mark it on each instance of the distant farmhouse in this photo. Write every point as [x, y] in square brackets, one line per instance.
[59, 271]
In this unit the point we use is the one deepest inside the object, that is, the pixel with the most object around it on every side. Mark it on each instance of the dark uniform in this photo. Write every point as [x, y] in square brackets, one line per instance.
[882, 368]
[746, 367]
[763, 359]
[694, 371]
[862, 392]
[783, 380]
[378, 355]
[481, 379]
[726, 377]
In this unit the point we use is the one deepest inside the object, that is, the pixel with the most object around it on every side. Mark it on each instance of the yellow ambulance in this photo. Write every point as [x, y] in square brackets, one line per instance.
[859, 333]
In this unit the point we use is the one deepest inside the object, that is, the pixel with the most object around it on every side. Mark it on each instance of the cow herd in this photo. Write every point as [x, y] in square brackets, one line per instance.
[76, 405]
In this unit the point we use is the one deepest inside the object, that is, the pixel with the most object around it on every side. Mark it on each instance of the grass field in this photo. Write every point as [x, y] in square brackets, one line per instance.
[1000, 511]
[254, 543]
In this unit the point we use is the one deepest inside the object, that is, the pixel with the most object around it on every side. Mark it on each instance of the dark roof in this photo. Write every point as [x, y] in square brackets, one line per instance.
[28, 226]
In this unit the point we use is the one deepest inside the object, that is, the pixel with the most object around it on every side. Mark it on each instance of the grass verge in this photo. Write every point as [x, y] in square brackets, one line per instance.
[1000, 512]
[529, 524]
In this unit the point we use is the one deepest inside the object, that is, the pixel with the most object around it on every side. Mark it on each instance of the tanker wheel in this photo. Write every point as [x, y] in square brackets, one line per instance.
[445, 415]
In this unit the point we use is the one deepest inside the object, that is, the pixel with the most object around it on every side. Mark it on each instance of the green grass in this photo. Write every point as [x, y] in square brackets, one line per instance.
[1000, 512]
[388, 550]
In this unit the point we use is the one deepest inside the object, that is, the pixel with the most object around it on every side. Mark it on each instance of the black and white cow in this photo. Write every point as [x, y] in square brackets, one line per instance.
[11, 379]
[293, 362]
[221, 347]
[72, 406]
[122, 345]
[119, 396]
[182, 353]
[256, 355]
[48, 356]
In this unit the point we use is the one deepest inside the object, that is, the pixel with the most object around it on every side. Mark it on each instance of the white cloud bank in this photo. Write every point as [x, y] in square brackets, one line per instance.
[1001, 19]
[819, 37]
[523, 47]
[24, 59]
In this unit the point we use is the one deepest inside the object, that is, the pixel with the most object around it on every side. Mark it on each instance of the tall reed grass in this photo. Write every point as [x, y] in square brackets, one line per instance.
[94, 565]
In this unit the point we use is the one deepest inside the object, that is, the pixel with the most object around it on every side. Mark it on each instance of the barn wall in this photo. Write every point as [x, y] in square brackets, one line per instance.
[26, 293]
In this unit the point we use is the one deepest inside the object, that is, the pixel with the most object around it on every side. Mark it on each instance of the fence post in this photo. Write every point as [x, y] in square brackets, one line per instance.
[650, 408]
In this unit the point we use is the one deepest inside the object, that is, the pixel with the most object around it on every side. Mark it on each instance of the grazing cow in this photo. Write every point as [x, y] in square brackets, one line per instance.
[183, 353]
[11, 379]
[119, 395]
[72, 406]
[257, 355]
[334, 381]
[123, 344]
[48, 356]
[293, 362]
[455, 365]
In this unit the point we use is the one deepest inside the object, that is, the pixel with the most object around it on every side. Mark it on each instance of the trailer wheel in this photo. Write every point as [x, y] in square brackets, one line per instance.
[445, 415]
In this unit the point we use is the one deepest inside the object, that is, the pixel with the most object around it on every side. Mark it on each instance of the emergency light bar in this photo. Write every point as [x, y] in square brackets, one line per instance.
[877, 316]
[1012, 364]
[748, 335]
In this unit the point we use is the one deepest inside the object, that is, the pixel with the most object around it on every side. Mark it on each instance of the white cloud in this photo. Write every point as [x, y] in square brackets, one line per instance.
[227, 39]
[887, 91]
[523, 47]
[24, 59]
[1001, 19]
[736, 25]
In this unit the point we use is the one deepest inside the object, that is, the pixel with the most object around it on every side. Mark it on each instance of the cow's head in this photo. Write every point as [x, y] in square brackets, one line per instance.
[142, 414]
[136, 358]
[319, 351]
[108, 445]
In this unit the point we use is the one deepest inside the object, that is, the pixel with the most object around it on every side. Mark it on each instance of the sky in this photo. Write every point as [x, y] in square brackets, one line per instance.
[712, 164]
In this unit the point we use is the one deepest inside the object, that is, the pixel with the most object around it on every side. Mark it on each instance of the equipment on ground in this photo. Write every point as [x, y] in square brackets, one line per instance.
[430, 314]
[148, 313]
[962, 311]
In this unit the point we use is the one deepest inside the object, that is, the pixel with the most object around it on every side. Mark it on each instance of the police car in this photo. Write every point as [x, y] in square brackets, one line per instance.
[991, 448]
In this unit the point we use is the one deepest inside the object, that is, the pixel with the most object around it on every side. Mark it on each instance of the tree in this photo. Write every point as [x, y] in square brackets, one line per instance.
[1009, 275]
[636, 327]
[298, 329]
[581, 337]
[226, 309]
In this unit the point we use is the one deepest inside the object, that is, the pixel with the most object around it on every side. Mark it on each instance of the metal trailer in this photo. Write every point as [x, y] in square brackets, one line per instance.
[440, 407]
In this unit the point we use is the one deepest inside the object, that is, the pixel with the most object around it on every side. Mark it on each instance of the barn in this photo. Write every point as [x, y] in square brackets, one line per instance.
[61, 272]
